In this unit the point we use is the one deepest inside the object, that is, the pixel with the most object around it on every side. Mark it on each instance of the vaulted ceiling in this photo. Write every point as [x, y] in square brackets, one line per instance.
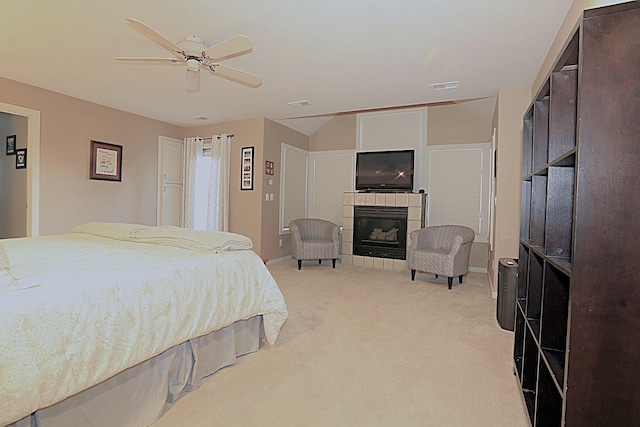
[339, 55]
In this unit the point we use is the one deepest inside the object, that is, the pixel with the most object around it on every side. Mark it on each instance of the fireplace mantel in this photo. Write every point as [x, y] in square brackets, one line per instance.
[416, 204]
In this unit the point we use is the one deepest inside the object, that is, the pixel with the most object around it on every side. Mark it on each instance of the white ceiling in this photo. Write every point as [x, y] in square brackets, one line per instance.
[340, 55]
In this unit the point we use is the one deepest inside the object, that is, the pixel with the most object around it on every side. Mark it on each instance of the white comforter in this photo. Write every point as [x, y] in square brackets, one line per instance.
[83, 308]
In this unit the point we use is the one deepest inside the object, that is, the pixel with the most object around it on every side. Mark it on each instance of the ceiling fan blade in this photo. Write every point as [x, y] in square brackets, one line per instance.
[237, 76]
[153, 35]
[235, 46]
[147, 59]
[193, 81]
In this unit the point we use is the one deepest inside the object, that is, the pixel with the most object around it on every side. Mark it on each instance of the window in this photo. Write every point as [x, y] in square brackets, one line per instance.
[458, 186]
[207, 185]
[205, 201]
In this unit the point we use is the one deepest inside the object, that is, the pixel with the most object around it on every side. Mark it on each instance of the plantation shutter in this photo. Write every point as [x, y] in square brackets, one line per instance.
[293, 185]
[455, 187]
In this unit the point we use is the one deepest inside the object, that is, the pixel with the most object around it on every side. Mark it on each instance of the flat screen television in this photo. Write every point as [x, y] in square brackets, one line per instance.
[385, 171]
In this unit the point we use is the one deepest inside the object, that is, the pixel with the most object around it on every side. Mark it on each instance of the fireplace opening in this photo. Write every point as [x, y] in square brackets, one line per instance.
[380, 231]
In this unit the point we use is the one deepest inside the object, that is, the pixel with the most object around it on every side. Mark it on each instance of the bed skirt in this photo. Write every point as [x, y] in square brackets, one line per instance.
[140, 395]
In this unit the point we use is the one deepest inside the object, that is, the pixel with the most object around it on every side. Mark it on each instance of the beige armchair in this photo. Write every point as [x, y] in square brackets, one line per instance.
[442, 249]
[313, 238]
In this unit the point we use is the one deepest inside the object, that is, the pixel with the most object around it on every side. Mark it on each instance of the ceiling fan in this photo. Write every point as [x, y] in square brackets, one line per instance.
[195, 54]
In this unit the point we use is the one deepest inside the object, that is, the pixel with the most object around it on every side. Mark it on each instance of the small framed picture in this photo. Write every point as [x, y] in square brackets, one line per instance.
[21, 158]
[268, 167]
[246, 182]
[106, 161]
[11, 145]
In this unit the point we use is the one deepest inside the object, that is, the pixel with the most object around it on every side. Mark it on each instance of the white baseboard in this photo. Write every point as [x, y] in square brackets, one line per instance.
[494, 289]
[277, 260]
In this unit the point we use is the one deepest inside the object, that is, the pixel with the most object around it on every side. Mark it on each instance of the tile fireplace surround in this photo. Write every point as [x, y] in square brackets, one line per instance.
[415, 202]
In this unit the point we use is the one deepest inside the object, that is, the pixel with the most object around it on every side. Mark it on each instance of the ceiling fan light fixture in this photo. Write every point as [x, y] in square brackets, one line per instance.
[193, 65]
[193, 81]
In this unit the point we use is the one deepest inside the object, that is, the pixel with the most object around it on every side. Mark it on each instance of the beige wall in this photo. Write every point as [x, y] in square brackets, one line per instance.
[67, 196]
[338, 133]
[275, 134]
[455, 124]
[510, 109]
[13, 182]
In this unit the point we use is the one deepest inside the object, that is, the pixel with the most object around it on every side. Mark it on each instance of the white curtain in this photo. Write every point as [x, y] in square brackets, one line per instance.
[192, 151]
[207, 183]
[218, 207]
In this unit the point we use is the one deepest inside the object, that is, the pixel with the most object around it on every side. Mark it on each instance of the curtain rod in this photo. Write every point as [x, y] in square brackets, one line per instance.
[211, 138]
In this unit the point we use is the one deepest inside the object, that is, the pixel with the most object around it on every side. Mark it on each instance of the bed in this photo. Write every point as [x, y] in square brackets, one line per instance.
[112, 323]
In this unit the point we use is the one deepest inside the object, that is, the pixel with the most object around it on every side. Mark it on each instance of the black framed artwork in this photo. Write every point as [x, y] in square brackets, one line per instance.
[106, 161]
[21, 158]
[11, 145]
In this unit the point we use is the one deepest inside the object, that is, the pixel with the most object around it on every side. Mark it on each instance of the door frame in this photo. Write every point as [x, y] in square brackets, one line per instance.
[160, 179]
[33, 164]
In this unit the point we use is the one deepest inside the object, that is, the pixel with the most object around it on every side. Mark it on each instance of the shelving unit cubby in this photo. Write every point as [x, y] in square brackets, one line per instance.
[577, 319]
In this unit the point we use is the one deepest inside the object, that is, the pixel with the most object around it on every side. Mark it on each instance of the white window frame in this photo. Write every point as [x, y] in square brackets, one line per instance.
[483, 149]
[286, 152]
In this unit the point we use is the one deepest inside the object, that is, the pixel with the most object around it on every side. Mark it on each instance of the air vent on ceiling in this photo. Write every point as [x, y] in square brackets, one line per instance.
[299, 104]
[445, 86]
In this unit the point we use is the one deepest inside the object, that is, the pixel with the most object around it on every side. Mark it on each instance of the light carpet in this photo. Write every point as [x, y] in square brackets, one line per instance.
[366, 347]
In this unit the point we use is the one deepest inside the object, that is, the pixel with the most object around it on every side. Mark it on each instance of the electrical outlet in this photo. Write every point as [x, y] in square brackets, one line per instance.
[266, 197]
[280, 242]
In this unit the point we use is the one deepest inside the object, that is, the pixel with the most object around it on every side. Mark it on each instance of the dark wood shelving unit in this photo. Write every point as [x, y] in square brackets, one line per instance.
[578, 293]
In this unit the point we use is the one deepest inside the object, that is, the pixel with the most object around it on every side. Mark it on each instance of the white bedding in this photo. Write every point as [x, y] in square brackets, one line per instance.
[169, 235]
[68, 323]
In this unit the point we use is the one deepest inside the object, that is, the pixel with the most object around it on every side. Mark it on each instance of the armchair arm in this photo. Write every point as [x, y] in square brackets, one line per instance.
[460, 258]
[335, 233]
[457, 243]
[296, 239]
[450, 261]
[336, 238]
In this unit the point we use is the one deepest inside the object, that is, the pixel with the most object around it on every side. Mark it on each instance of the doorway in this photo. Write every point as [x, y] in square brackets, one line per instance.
[33, 165]
[170, 181]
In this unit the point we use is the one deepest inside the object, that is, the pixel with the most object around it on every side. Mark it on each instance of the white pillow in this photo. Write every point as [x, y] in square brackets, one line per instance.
[112, 230]
[186, 238]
